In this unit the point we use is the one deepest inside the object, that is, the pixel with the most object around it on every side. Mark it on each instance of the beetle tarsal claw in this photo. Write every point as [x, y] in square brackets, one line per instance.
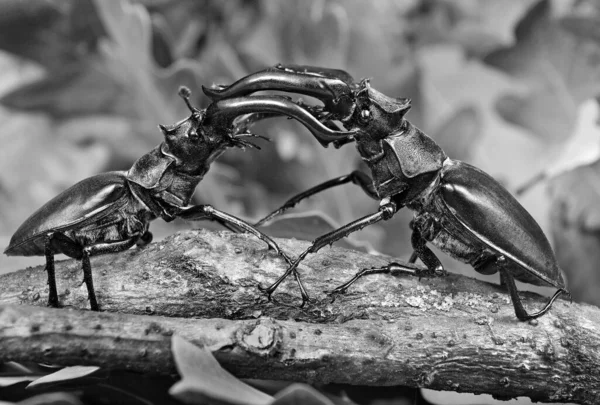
[341, 290]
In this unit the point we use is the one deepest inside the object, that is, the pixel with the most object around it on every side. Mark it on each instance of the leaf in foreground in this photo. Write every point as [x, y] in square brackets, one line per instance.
[65, 374]
[12, 380]
[300, 394]
[52, 398]
[204, 380]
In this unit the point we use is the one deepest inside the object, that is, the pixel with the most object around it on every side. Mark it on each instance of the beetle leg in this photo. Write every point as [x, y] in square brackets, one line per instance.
[88, 280]
[226, 225]
[52, 292]
[98, 249]
[386, 210]
[391, 268]
[58, 242]
[413, 257]
[203, 212]
[198, 212]
[485, 263]
[359, 178]
[509, 281]
[145, 239]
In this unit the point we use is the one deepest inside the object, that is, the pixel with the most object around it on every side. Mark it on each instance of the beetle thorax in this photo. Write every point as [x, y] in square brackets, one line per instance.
[370, 149]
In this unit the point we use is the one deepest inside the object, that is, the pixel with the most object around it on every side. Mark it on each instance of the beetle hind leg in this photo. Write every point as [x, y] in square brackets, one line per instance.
[58, 242]
[98, 249]
[391, 268]
[425, 228]
[49, 253]
[145, 239]
[508, 280]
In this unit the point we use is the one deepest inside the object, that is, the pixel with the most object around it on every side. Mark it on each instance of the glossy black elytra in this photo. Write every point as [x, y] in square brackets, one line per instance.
[111, 212]
[458, 208]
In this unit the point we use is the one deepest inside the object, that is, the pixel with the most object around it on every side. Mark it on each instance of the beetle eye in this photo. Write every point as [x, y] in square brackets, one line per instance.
[365, 117]
[193, 135]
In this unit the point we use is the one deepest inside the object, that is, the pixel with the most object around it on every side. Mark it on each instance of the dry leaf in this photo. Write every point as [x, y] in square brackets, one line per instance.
[205, 381]
[300, 394]
[65, 374]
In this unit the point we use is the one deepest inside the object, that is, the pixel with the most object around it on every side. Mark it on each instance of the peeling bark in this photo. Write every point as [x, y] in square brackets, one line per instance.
[452, 333]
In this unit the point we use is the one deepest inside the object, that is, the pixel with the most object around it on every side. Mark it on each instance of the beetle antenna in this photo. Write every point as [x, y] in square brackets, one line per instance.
[251, 135]
[185, 93]
[242, 143]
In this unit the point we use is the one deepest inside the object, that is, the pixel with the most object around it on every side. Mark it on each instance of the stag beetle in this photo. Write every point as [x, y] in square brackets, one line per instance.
[111, 212]
[458, 208]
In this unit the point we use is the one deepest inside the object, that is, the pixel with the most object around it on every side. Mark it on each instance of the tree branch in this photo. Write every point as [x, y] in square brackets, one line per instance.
[452, 333]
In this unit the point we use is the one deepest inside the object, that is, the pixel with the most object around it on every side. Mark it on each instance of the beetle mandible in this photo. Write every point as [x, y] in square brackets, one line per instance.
[111, 212]
[458, 208]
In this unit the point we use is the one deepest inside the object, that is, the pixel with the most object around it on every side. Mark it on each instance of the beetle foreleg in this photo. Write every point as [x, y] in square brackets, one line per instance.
[199, 212]
[386, 211]
[509, 281]
[359, 178]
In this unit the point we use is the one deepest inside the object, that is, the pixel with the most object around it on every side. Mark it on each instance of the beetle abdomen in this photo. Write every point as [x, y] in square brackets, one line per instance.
[492, 215]
[89, 200]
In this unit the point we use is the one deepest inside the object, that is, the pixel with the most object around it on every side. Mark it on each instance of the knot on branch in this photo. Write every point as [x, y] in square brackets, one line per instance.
[264, 337]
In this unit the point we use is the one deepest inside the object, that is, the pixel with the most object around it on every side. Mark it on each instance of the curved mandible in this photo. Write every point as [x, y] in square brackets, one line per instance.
[226, 110]
[331, 86]
[317, 71]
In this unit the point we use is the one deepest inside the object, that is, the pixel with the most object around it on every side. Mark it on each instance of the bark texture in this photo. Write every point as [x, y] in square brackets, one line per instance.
[452, 333]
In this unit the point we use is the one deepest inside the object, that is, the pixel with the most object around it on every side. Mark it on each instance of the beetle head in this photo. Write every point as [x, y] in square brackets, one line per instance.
[377, 115]
[190, 141]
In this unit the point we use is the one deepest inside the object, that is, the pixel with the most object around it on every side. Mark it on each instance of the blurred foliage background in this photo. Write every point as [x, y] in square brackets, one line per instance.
[508, 86]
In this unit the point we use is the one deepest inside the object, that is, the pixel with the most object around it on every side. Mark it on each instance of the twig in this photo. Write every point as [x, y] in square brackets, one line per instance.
[454, 333]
